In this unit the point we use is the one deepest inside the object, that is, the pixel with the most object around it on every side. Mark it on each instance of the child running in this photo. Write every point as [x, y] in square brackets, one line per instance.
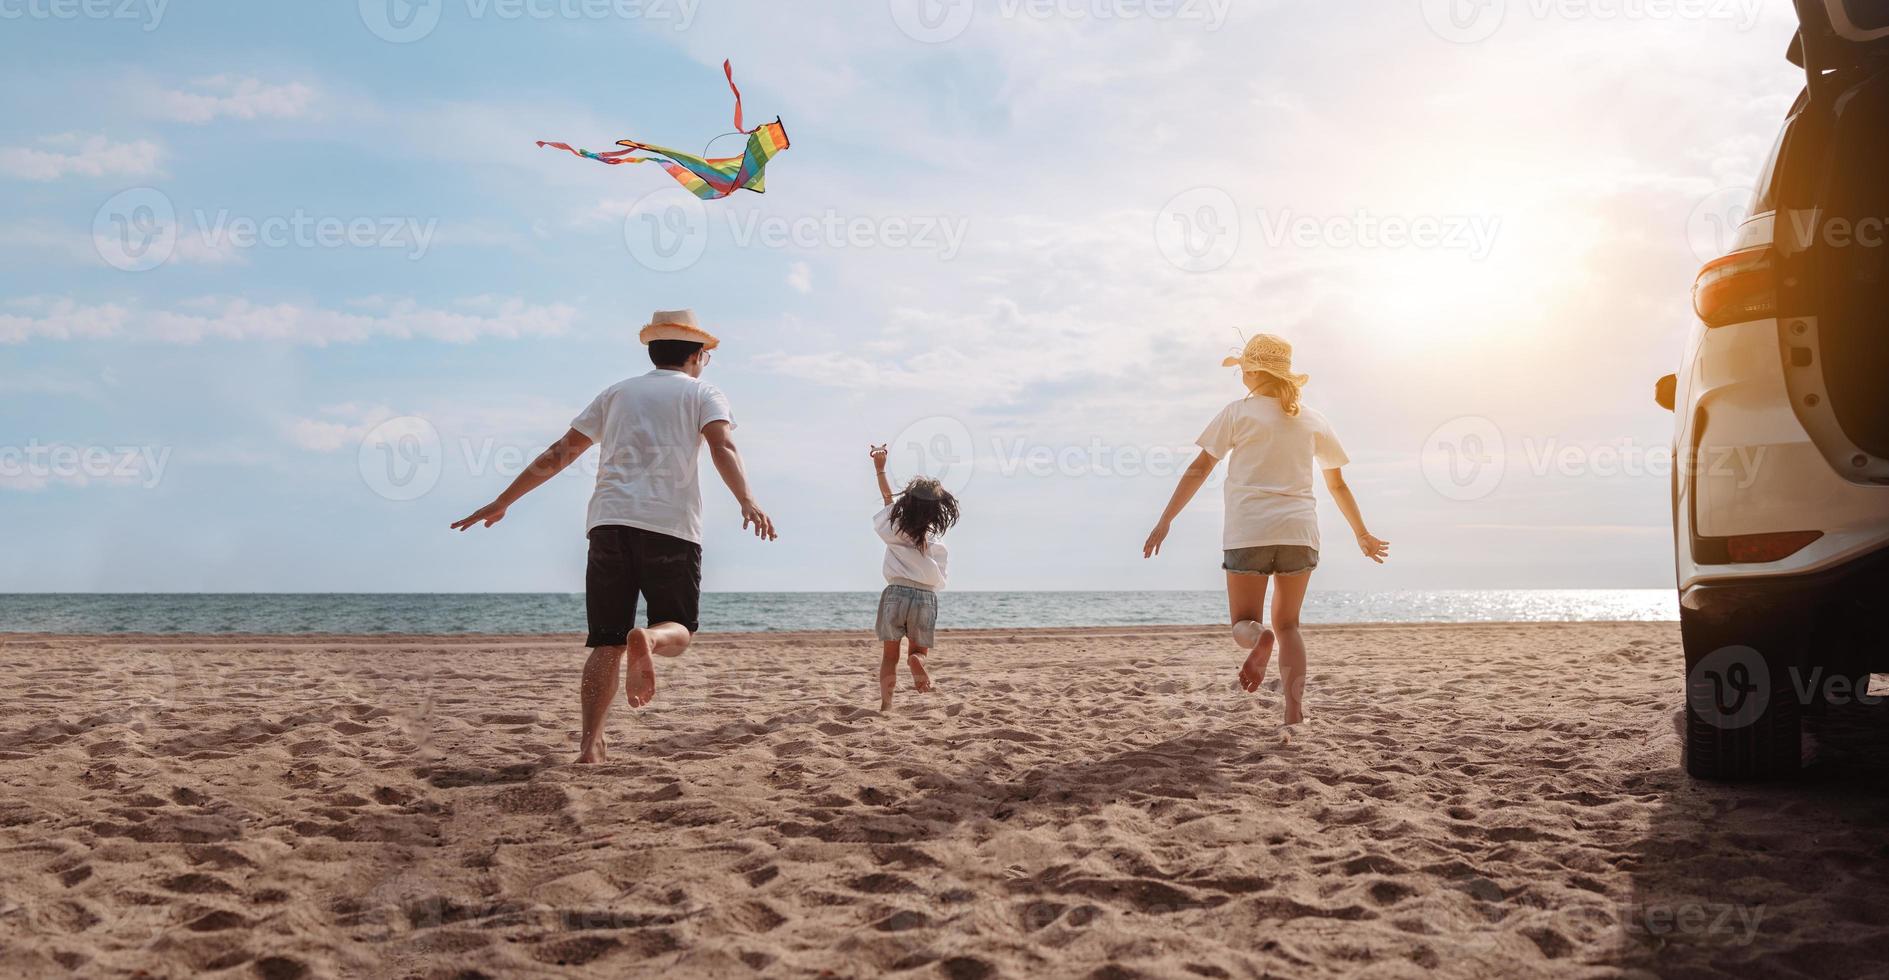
[915, 563]
[1271, 531]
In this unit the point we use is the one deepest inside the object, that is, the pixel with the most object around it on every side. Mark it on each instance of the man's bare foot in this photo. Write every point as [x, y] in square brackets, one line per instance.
[593, 752]
[1253, 671]
[921, 681]
[641, 686]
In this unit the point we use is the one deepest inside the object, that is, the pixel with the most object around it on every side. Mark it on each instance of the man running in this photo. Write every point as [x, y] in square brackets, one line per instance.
[645, 523]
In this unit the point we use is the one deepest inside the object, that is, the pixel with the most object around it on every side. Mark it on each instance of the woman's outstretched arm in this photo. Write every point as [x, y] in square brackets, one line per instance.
[1375, 548]
[1191, 482]
[878, 464]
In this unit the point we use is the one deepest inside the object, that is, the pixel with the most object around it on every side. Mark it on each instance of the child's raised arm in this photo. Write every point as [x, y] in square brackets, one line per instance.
[879, 454]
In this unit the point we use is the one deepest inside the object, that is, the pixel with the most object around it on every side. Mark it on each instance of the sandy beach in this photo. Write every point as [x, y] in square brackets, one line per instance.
[1487, 801]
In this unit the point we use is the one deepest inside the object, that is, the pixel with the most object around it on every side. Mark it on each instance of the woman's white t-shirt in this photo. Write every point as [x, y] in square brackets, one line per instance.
[905, 564]
[1273, 460]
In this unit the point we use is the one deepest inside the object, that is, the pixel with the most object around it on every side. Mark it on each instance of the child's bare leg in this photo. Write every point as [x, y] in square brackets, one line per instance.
[888, 675]
[921, 681]
[1285, 621]
[598, 689]
[662, 640]
[1246, 599]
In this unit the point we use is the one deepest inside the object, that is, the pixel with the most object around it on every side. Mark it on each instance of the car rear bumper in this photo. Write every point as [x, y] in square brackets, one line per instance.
[1749, 466]
[1834, 612]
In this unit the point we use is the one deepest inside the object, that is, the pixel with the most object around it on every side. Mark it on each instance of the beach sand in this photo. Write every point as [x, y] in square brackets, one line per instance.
[1487, 801]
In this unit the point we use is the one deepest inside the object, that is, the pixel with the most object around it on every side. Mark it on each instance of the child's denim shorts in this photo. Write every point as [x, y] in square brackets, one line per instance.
[908, 613]
[1273, 559]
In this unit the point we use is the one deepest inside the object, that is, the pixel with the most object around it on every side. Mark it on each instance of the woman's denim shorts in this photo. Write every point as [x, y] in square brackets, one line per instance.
[1273, 559]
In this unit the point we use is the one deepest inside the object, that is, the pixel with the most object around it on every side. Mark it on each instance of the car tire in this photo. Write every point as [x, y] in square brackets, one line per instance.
[1743, 719]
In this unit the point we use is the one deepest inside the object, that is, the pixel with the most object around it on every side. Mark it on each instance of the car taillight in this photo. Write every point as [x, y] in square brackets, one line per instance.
[1741, 286]
[1757, 549]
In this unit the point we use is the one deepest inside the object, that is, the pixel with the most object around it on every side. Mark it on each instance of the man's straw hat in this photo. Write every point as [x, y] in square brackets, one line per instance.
[1268, 354]
[678, 325]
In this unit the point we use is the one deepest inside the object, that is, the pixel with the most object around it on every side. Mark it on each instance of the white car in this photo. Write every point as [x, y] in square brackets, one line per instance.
[1781, 504]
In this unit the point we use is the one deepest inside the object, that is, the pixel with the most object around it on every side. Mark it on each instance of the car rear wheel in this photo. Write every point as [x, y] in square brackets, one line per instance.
[1743, 718]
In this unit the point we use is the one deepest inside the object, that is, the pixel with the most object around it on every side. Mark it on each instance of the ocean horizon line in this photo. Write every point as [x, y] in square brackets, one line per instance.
[540, 613]
[817, 592]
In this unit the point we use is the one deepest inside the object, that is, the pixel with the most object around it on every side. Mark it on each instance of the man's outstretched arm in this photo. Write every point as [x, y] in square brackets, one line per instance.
[550, 463]
[721, 446]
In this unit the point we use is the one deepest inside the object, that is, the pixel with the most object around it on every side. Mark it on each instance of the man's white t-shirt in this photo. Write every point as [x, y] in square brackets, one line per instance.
[1275, 457]
[905, 564]
[650, 433]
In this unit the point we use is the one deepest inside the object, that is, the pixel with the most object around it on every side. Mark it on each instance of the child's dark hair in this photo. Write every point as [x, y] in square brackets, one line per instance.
[924, 511]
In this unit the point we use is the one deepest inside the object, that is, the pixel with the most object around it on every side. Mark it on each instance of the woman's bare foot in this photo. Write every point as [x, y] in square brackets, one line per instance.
[593, 752]
[885, 704]
[1253, 671]
[921, 681]
[641, 686]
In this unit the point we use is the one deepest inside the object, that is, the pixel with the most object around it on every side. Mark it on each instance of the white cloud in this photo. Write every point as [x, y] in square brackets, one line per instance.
[226, 96]
[340, 427]
[800, 277]
[238, 319]
[73, 155]
[61, 320]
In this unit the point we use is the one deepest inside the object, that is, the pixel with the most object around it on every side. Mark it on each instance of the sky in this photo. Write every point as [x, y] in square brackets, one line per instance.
[287, 288]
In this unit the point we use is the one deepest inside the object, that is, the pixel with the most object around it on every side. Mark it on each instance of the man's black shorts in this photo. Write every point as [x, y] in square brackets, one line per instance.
[625, 561]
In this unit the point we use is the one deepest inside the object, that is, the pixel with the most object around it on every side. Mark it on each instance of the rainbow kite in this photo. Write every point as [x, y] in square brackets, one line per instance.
[710, 178]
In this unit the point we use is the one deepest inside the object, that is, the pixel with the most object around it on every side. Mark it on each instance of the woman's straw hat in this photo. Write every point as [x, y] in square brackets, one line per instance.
[1268, 354]
[678, 325]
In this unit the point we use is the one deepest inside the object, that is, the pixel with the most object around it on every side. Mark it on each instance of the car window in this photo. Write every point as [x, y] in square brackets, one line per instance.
[1764, 200]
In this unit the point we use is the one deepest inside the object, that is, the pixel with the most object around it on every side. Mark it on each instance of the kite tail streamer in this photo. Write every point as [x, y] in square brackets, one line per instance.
[706, 178]
[728, 68]
[611, 157]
